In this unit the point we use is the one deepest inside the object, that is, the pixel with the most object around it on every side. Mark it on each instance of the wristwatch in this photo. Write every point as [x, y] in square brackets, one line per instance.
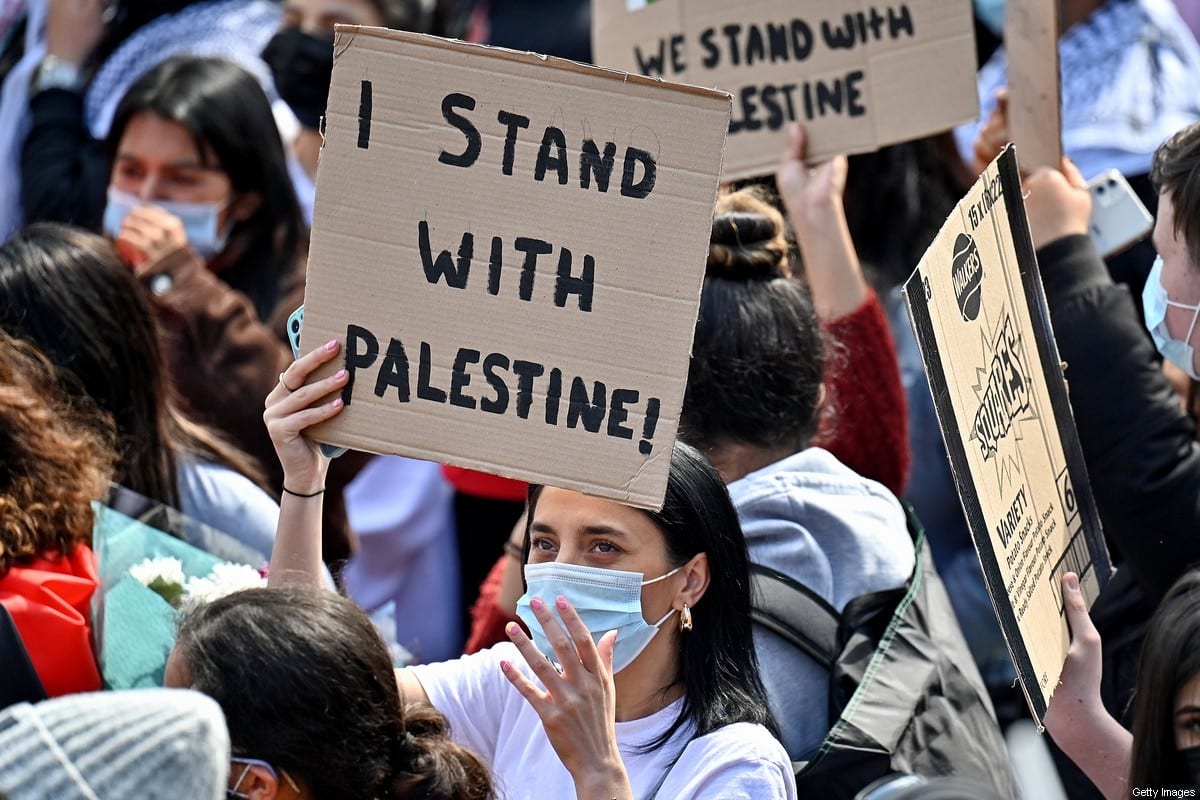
[56, 73]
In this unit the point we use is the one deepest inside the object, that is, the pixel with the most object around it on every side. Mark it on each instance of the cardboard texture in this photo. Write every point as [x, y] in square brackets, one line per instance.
[511, 250]
[859, 75]
[1034, 102]
[981, 320]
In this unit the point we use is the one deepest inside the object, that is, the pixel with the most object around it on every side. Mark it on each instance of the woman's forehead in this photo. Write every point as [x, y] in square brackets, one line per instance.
[565, 510]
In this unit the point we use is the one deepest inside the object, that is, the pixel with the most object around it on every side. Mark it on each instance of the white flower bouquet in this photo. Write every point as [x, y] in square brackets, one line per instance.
[146, 577]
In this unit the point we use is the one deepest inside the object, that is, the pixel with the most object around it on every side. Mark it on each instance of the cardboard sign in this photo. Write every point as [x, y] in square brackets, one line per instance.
[511, 250]
[981, 320]
[1034, 104]
[859, 75]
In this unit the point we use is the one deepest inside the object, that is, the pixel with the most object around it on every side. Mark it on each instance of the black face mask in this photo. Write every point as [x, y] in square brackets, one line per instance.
[1191, 757]
[302, 66]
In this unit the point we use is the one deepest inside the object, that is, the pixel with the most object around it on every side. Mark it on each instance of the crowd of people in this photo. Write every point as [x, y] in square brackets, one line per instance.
[434, 632]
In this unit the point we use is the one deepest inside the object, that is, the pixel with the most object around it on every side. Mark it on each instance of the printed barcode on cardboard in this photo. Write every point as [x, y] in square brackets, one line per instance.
[1077, 559]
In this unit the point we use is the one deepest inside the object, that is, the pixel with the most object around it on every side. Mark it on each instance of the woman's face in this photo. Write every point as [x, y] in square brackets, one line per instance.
[574, 528]
[317, 17]
[157, 160]
[1187, 714]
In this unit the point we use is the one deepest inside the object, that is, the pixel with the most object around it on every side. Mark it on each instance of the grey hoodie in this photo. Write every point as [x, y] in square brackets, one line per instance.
[814, 519]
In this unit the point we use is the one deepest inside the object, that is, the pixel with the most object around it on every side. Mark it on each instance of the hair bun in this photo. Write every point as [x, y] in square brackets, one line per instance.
[748, 240]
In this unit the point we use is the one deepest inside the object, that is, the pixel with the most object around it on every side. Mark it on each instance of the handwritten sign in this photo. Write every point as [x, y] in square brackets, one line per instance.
[981, 320]
[511, 249]
[859, 75]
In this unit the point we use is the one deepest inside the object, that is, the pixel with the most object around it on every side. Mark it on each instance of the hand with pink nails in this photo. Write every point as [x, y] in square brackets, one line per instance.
[295, 405]
[578, 705]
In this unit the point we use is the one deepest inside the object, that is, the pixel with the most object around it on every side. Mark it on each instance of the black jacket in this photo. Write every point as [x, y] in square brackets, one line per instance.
[64, 171]
[1140, 447]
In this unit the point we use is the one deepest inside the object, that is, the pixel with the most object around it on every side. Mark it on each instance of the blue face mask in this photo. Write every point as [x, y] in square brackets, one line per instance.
[201, 221]
[1154, 304]
[605, 599]
[991, 14]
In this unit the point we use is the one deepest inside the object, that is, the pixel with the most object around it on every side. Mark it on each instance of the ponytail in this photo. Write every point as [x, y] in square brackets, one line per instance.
[428, 765]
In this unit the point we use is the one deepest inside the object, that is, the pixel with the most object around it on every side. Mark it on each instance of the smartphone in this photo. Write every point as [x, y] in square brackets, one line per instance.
[294, 324]
[1118, 217]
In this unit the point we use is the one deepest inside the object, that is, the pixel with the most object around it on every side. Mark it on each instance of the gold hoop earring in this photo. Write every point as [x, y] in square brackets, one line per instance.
[685, 618]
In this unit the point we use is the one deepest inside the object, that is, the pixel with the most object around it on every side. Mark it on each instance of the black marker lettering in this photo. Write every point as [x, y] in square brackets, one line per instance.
[425, 390]
[580, 408]
[526, 372]
[512, 122]
[393, 372]
[498, 404]
[474, 141]
[618, 413]
[364, 115]
[634, 156]
[355, 359]
[461, 379]
[443, 266]
[566, 284]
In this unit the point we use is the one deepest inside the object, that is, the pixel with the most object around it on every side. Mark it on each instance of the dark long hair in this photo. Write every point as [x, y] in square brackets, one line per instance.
[897, 199]
[66, 291]
[229, 118]
[757, 354]
[718, 666]
[306, 684]
[1170, 657]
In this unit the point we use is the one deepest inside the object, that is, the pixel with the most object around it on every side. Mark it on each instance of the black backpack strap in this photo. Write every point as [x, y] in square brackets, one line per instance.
[793, 611]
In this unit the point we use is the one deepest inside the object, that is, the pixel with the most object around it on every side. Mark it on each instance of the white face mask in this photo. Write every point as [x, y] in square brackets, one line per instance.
[1179, 352]
[201, 221]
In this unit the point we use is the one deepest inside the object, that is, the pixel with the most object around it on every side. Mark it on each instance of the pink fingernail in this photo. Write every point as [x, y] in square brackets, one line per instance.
[1072, 582]
[337, 403]
[511, 628]
[331, 344]
[536, 604]
[505, 666]
[341, 373]
[561, 601]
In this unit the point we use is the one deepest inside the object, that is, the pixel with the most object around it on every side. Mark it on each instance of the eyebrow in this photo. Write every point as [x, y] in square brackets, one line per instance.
[196, 165]
[588, 530]
[1190, 709]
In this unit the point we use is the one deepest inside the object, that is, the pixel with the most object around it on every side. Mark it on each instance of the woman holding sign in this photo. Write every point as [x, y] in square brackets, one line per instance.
[640, 679]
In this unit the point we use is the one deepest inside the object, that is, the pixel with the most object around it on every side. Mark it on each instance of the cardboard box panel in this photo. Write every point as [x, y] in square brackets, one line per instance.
[859, 75]
[516, 244]
[980, 315]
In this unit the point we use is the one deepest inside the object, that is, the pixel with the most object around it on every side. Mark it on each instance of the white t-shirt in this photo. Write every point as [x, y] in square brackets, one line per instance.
[737, 762]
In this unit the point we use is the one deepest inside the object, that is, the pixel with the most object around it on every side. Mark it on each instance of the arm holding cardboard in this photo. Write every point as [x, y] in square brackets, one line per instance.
[1076, 718]
[851, 314]
[292, 406]
[813, 200]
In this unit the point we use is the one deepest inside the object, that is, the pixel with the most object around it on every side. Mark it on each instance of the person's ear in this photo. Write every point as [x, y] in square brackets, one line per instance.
[696, 577]
[245, 206]
[257, 784]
